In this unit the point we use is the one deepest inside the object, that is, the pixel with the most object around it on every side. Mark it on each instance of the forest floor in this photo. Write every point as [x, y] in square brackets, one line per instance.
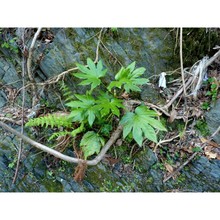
[189, 137]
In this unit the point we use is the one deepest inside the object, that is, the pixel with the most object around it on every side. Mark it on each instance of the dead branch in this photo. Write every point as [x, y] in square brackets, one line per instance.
[19, 122]
[155, 107]
[212, 59]
[29, 60]
[179, 92]
[165, 141]
[115, 135]
[29, 70]
[181, 61]
[191, 157]
[97, 48]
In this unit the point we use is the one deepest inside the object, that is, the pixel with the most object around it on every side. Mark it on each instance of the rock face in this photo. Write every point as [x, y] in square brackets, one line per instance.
[213, 120]
[145, 46]
[150, 48]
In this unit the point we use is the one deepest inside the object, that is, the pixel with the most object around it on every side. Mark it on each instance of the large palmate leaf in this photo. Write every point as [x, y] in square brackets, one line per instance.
[141, 123]
[129, 78]
[92, 74]
[107, 103]
[83, 109]
[91, 143]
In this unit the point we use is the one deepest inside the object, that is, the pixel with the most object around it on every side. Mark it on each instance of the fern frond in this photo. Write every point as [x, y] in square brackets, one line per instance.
[59, 134]
[72, 133]
[67, 93]
[52, 120]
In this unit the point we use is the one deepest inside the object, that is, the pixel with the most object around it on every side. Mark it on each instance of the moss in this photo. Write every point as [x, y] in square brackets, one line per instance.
[149, 180]
[197, 43]
[202, 126]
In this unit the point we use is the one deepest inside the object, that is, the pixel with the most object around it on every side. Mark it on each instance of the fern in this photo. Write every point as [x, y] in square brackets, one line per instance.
[59, 134]
[95, 109]
[67, 93]
[72, 133]
[52, 120]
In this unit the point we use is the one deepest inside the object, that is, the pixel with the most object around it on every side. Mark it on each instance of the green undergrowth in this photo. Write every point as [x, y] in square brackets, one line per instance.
[93, 115]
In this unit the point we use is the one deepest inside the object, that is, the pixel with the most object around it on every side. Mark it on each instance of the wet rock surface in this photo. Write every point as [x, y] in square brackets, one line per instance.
[213, 120]
[37, 173]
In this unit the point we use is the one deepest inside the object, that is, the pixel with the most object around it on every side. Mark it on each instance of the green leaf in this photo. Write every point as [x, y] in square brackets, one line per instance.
[141, 123]
[91, 117]
[137, 133]
[196, 149]
[106, 129]
[50, 120]
[145, 111]
[107, 103]
[146, 115]
[83, 109]
[138, 72]
[92, 74]
[149, 133]
[131, 66]
[129, 78]
[127, 120]
[91, 143]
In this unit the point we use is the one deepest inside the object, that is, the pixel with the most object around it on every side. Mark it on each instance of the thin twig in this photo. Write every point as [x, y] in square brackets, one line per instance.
[181, 61]
[115, 135]
[191, 157]
[179, 92]
[165, 141]
[22, 112]
[111, 53]
[155, 107]
[98, 45]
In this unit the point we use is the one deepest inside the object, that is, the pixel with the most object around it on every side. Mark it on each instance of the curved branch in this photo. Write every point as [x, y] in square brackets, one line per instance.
[29, 59]
[115, 135]
[29, 71]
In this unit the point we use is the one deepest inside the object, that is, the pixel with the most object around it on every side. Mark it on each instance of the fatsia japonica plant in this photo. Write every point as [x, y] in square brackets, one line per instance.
[94, 114]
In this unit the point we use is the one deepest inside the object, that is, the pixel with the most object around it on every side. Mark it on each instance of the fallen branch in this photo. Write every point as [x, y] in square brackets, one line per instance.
[155, 107]
[191, 157]
[19, 122]
[115, 135]
[190, 81]
[179, 92]
[212, 59]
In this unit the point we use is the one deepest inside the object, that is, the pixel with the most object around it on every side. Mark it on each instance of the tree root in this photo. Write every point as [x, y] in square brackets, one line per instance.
[80, 171]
